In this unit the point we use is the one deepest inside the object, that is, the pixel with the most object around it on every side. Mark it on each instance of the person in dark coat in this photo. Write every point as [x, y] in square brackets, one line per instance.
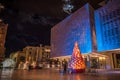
[64, 66]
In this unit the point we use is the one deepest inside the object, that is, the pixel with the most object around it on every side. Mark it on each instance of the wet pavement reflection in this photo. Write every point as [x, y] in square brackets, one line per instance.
[6, 74]
[52, 74]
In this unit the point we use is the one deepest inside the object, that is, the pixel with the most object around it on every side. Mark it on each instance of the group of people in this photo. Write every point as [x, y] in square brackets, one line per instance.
[63, 66]
[25, 66]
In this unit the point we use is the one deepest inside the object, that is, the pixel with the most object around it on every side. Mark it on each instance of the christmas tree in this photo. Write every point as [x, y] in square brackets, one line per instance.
[77, 63]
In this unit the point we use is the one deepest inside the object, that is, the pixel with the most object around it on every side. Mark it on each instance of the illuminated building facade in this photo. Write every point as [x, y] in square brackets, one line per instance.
[37, 54]
[32, 54]
[81, 28]
[107, 26]
[107, 22]
[76, 27]
[101, 40]
[3, 32]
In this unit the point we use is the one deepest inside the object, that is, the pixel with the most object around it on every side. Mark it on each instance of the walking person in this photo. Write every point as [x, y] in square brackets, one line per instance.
[69, 67]
[64, 66]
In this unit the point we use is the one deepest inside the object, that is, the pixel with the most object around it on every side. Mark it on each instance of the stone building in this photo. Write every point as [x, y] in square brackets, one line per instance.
[32, 54]
[37, 54]
[3, 32]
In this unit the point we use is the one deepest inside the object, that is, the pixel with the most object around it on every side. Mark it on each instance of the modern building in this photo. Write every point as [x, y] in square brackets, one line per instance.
[76, 27]
[107, 22]
[3, 32]
[98, 35]
[79, 27]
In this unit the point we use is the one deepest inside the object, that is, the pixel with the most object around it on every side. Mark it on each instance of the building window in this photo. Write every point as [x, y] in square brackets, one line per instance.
[0, 36]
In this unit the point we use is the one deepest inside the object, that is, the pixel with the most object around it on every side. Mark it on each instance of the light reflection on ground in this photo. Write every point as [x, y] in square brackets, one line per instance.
[6, 74]
[51, 74]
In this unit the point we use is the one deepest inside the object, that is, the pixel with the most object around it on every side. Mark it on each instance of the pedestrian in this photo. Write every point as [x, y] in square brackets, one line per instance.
[64, 66]
[69, 67]
[21, 65]
[29, 67]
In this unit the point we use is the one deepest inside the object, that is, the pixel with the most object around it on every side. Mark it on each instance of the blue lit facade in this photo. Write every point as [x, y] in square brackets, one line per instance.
[76, 27]
[101, 39]
[107, 22]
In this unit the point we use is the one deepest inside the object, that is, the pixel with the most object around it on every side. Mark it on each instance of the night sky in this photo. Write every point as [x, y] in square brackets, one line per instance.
[30, 21]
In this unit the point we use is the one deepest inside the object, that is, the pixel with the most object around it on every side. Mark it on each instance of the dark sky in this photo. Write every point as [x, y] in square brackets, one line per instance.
[30, 21]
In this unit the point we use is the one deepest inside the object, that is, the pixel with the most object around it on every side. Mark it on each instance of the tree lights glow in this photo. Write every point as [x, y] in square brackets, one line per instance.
[77, 63]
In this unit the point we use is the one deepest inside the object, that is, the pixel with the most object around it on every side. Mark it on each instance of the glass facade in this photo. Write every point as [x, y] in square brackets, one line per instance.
[107, 21]
[100, 37]
[76, 27]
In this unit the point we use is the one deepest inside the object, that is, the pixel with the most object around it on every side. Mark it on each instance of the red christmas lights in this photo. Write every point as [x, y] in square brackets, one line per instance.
[77, 63]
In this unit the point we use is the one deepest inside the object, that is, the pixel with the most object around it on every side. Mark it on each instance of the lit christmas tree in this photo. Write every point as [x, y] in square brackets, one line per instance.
[77, 63]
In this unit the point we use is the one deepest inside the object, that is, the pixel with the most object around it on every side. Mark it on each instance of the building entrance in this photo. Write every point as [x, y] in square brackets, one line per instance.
[94, 62]
[118, 60]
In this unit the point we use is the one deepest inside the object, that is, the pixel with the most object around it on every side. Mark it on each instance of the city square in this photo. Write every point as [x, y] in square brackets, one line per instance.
[59, 39]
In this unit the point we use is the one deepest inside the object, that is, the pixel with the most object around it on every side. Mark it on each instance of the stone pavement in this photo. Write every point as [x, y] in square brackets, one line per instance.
[52, 74]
